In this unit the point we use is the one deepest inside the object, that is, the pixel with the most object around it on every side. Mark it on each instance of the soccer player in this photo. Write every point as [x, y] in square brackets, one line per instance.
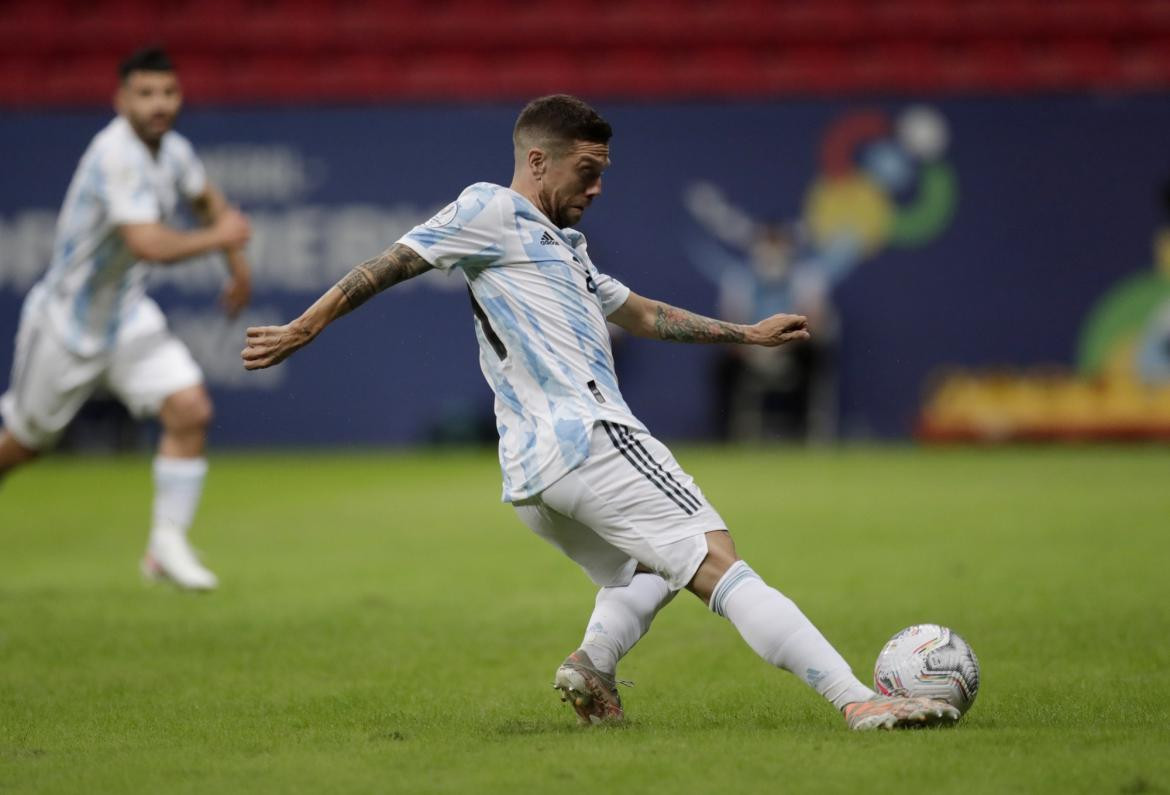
[88, 322]
[578, 466]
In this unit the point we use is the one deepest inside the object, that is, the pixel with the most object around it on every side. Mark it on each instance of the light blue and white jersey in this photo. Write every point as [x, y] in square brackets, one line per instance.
[540, 308]
[94, 282]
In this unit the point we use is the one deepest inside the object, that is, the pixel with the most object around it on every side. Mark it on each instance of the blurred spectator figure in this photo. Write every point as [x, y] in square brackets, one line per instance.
[761, 268]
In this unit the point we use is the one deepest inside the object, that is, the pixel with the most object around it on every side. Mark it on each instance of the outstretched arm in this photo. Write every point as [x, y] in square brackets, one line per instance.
[643, 317]
[269, 345]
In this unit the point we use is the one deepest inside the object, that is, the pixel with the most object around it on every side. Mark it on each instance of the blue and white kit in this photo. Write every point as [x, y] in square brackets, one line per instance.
[544, 348]
[88, 322]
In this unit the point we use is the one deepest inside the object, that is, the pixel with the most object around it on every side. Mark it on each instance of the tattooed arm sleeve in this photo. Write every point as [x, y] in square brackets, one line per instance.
[397, 264]
[644, 317]
[679, 325]
[271, 345]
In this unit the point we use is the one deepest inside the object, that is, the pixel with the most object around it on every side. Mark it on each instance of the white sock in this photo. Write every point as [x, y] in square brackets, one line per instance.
[774, 627]
[621, 616]
[178, 485]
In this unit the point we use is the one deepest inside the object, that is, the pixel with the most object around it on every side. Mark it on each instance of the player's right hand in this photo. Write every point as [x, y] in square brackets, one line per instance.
[269, 345]
[233, 228]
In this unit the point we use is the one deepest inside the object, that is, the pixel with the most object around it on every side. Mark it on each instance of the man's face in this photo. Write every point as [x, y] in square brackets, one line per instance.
[572, 181]
[150, 101]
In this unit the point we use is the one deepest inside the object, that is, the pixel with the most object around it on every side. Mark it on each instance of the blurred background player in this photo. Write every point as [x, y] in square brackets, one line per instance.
[88, 323]
[579, 468]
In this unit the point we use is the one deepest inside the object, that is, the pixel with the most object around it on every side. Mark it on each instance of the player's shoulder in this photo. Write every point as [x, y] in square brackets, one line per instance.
[483, 189]
[117, 140]
[478, 197]
[482, 193]
[175, 144]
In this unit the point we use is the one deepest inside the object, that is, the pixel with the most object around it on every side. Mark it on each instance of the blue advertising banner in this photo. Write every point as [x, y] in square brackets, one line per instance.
[972, 233]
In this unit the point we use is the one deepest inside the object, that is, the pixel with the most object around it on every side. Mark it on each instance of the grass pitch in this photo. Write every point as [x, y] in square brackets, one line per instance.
[385, 625]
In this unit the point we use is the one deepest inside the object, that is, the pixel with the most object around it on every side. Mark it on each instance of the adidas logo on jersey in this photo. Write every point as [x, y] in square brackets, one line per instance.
[548, 240]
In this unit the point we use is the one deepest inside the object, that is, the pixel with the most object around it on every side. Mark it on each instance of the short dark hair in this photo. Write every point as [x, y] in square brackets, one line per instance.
[563, 119]
[147, 59]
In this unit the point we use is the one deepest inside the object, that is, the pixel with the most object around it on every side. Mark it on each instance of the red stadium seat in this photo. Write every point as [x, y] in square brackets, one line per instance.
[369, 50]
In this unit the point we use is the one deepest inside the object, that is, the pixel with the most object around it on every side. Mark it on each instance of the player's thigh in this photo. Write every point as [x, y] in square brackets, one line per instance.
[146, 370]
[605, 564]
[634, 495]
[49, 385]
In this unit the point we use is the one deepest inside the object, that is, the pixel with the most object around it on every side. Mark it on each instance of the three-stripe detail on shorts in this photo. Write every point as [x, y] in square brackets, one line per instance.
[640, 459]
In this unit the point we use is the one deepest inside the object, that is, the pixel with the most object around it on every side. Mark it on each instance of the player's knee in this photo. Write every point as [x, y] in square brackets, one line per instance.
[188, 410]
[721, 556]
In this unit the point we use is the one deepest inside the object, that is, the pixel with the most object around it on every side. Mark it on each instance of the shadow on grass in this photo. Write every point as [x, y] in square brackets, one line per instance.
[529, 728]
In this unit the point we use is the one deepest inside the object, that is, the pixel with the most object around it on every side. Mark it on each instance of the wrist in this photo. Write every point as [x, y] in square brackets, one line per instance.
[306, 327]
[237, 267]
[751, 334]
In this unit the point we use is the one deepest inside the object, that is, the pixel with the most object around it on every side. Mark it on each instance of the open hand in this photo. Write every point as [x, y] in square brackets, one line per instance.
[778, 330]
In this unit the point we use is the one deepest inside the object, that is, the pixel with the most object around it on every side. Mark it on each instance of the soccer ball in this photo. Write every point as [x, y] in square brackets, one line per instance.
[931, 661]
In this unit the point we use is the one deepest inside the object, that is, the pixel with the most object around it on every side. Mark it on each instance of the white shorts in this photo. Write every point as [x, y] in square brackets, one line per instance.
[629, 503]
[50, 383]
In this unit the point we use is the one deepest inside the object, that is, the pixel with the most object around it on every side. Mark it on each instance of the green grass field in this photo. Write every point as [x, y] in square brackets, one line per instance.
[386, 625]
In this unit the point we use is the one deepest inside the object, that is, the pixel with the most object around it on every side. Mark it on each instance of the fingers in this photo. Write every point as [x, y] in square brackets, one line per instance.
[785, 337]
[267, 346]
[254, 358]
[258, 353]
[258, 359]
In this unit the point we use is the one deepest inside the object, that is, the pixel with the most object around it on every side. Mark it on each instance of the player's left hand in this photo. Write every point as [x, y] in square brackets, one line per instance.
[236, 294]
[778, 330]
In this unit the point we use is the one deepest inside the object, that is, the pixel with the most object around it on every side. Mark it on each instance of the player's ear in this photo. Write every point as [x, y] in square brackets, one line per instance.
[537, 162]
[118, 101]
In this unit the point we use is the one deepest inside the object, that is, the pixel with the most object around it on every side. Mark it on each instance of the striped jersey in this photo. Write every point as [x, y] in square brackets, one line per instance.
[540, 307]
[94, 281]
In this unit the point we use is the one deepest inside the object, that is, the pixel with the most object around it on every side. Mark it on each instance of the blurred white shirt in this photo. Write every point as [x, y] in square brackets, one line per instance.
[95, 283]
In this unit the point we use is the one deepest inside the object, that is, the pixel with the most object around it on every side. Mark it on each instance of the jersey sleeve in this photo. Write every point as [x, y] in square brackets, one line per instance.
[611, 293]
[192, 177]
[468, 231]
[125, 188]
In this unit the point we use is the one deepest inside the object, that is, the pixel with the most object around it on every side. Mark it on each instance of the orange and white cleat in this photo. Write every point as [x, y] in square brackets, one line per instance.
[892, 712]
[591, 693]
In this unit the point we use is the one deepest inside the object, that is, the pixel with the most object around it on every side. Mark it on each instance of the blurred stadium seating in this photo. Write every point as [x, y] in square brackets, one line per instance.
[59, 52]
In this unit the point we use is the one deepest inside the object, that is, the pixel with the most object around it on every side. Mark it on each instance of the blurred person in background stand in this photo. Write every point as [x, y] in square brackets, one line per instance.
[88, 324]
[760, 269]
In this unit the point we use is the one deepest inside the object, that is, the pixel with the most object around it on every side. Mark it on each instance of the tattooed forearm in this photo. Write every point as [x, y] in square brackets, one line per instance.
[672, 323]
[396, 264]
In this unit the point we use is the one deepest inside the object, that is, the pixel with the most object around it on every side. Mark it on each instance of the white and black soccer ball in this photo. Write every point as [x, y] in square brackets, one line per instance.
[928, 660]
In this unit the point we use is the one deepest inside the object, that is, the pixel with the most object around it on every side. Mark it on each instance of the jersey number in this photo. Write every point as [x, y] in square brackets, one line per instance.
[590, 285]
